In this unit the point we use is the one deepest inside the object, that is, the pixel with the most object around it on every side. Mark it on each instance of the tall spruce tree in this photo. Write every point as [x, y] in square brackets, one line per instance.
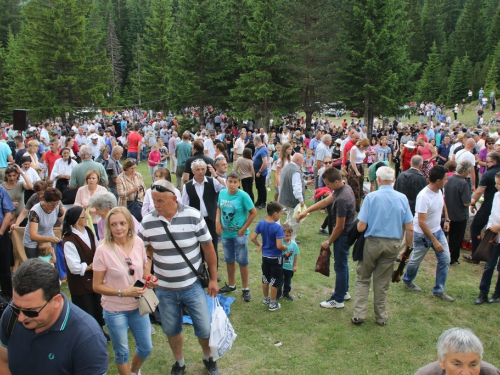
[115, 56]
[431, 84]
[432, 27]
[10, 18]
[58, 66]
[457, 85]
[373, 73]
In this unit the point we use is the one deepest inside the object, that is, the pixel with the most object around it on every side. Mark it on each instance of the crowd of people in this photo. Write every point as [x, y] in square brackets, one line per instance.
[74, 194]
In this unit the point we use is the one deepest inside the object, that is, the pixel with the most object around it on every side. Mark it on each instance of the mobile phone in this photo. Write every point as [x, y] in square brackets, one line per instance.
[139, 284]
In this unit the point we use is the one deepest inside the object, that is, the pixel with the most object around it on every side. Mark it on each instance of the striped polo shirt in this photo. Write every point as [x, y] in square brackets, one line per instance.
[189, 231]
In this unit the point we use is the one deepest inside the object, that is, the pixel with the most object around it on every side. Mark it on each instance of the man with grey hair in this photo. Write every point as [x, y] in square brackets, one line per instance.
[412, 181]
[457, 197]
[459, 346]
[467, 154]
[382, 217]
[172, 143]
[292, 191]
[80, 171]
[323, 151]
[114, 168]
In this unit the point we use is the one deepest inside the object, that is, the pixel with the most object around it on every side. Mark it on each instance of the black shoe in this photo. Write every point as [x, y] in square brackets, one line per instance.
[494, 298]
[454, 263]
[226, 289]
[288, 297]
[108, 339]
[211, 366]
[177, 370]
[468, 258]
[482, 298]
[247, 297]
[357, 321]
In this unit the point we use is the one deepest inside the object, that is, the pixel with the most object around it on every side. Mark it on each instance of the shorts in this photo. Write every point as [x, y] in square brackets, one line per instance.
[236, 250]
[272, 271]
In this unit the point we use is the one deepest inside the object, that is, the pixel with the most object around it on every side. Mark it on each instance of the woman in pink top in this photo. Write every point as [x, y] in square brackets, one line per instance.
[428, 153]
[87, 191]
[153, 160]
[119, 262]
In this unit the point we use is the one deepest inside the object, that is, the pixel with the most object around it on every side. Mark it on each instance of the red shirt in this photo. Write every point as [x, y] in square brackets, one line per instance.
[347, 151]
[133, 142]
[422, 136]
[50, 159]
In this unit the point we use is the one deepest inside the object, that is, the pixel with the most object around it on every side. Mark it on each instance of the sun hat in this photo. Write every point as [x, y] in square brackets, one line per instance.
[410, 144]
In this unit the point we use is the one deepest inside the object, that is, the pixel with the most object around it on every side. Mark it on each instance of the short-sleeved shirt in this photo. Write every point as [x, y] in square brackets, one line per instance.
[488, 182]
[184, 151]
[289, 259]
[17, 194]
[430, 203]
[133, 140]
[322, 151]
[80, 171]
[260, 154]
[344, 205]
[113, 170]
[6, 203]
[234, 212]
[270, 232]
[372, 171]
[74, 344]
[5, 151]
[456, 194]
[383, 153]
[45, 221]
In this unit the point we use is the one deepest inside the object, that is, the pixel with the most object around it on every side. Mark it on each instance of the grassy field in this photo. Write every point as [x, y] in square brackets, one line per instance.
[320, 341]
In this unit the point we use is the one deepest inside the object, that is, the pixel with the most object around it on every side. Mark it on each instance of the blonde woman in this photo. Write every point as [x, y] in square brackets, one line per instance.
[31, 151]
[86, 192]
[130, 184]
[119, 262]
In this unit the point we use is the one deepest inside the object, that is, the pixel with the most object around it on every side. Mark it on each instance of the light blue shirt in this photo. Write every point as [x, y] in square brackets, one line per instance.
[314, 144]
[430, 134]
[385, 211]
[5, 151]
[297, 185]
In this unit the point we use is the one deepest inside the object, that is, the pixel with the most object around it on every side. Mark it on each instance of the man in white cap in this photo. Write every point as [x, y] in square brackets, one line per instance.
[95, 145]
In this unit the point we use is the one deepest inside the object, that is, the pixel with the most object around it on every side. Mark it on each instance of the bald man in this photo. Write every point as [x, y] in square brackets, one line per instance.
[466, 154]
[292, 190]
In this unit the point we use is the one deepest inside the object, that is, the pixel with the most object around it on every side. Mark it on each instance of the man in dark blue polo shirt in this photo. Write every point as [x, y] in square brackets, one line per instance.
[42, 332]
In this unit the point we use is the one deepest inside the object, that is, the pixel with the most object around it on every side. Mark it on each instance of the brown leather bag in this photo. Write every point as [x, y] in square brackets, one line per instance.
[323, 262]
[485, 248]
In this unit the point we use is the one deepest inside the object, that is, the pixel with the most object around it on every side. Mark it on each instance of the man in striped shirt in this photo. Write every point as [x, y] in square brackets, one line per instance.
[178, 285]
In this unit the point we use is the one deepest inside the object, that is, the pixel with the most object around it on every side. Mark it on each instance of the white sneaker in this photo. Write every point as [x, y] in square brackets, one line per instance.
[153, 330]
[347, 296]
[332, 304]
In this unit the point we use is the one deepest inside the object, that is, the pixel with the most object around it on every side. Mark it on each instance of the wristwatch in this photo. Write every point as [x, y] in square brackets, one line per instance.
[120, 293]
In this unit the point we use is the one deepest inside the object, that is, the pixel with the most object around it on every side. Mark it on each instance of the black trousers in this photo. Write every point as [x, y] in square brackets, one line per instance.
[455, 238]
[247, 186]
[260, 184]
[6, 261]
[287, 284]
[215, 238]
[477, 225]
[91, 304]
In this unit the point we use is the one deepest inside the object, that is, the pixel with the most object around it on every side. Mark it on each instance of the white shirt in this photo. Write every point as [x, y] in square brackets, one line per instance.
[430, 203]
[239, 146]
[208, 146]
[73, 260]
[32, 175]
[495, 213]
[149, 206]
[81, 140]
[62, 167]
[45, 135]
[285, 138]
[465, 155]
[95, 149]
[200, 189]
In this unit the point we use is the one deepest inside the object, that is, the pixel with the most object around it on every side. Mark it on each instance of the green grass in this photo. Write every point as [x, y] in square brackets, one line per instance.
[320, 341]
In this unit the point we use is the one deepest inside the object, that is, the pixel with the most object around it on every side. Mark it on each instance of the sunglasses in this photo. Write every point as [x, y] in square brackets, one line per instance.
[161, 189]
[327, 162]
[490, 143]
[131, 271]
[28, 313]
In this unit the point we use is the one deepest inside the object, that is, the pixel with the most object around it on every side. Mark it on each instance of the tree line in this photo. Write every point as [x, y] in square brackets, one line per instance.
[260, 58]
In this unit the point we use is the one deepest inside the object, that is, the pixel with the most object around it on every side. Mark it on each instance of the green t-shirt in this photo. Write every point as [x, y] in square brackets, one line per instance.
[372, 172]
[294, 250]
[234, 212]
[183, 151]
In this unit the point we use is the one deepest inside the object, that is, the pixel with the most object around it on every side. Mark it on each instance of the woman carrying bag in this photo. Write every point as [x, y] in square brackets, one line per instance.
[80, 244]
[130, 184]
[119, 264]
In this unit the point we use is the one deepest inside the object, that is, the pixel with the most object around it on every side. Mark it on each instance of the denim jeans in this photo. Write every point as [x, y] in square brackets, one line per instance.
[236, 250]
[118, 323]
[287, 283]
[195, 300]
[421, 245]
[489, 269]
[341, 267]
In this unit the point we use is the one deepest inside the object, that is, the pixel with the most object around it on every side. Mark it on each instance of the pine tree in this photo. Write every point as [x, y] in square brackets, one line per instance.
[493, 78]
[416, 42]
[468, 70]
[115, 56]
[457, 86]
[493, 33]
[10, 18]
[432, 26]
[431, 83]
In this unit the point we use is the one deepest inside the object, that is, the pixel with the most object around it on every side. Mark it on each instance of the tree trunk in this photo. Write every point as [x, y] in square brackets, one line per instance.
[368, 117]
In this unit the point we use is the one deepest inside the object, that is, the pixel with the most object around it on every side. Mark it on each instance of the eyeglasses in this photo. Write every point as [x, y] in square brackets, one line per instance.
[161, 189]
[82, 217]
[490, 143]
[28, 313]
[131, 271]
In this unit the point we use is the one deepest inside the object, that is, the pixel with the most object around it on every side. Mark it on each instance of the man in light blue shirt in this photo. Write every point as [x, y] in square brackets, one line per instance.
[430, 133]
[315, 141]
[5, 158]
[381, 218]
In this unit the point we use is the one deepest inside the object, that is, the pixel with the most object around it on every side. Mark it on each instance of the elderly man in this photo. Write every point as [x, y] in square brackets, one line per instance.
[457, 199]
[114, 168]
[62, 338]
[95, 146]
[260, 167]
[80, 138]
[220, 165]
[198, 154]
[292, 190]
[412, 181]
[467, 154]
[172, 143]
[323, 151]
[428, 234]
[382, 216]
[315, 141]
[178, 285]
[79, 173]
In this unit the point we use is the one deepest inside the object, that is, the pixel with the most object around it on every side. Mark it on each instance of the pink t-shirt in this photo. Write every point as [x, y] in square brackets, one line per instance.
[117, 275]
[154, 158]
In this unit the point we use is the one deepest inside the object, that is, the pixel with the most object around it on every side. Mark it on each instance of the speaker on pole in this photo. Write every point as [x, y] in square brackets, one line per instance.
[21, 119]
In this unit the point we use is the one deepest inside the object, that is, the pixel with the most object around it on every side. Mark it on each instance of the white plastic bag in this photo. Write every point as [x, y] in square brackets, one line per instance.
[298, 209]
[222, 334]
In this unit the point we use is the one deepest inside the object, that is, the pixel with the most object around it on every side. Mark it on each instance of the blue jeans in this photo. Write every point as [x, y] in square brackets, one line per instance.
[118, 323]
[421, 245]
[489, 268]
[132, 155]
[195, 300]
[236, 250]
[341, 267]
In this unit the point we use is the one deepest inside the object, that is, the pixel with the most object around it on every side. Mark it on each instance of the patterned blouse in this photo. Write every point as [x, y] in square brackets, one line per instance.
[125, 183]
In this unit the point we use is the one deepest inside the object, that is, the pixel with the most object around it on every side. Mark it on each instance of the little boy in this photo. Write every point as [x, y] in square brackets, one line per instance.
[46, 252]
[235, 213]
[272, 248]
[289, 262]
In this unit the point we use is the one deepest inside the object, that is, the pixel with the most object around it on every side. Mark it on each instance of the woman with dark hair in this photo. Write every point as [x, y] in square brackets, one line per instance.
[63, 167]
[244, 166]
[15, 187]
[41, 220]
[355, 171]
[129, 183]
[220, 149]
[79, 244]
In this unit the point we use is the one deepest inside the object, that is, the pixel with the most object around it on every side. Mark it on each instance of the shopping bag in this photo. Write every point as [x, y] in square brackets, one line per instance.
[222, 334]
[323, 262]
[485, 248]
[298, 209]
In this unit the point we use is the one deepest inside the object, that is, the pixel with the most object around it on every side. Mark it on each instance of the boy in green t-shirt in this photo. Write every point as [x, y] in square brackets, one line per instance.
[290, 257]
[235, 213]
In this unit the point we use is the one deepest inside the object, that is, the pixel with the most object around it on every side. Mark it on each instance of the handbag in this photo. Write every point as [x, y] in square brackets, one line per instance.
[337, 162]
[202, 273]
[323, 262]
[135, 207]
[485, 248]
[148, 302]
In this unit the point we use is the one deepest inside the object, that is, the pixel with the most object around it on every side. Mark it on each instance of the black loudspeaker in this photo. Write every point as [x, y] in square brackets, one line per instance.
[21, 119]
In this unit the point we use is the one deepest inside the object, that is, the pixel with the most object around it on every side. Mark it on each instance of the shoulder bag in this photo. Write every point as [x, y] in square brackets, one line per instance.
[202, 273]
[135, 206]
[148, 302]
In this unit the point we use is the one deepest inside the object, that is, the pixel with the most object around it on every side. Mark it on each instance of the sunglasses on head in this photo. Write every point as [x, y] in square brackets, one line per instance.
[28, 313]
[131, 271]
[161, 189]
